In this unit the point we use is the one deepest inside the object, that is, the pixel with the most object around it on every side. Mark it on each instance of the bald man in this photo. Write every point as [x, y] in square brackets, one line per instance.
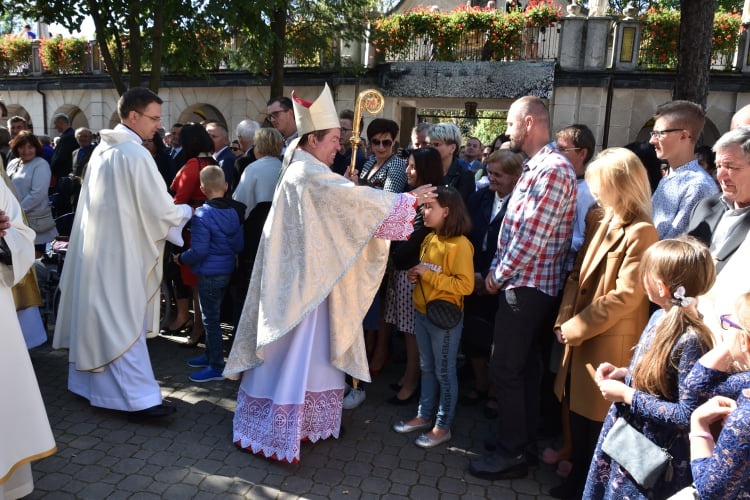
[741, 118]
[527, 274]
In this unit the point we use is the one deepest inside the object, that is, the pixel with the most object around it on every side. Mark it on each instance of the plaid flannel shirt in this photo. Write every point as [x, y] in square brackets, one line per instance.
[537, 230]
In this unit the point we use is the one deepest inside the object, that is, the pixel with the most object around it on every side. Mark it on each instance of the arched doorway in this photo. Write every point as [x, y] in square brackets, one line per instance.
[198, 113]
[75, 114]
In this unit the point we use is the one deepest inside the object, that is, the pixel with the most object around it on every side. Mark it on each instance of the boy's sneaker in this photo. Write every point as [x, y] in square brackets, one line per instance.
[206, 375]
[353, 398]
[199, 362]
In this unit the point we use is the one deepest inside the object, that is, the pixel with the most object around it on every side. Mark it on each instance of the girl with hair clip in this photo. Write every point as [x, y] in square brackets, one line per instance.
[445, 272]
[652, 394]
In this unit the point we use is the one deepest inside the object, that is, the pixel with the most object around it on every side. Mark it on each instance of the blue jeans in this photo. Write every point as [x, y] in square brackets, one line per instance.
[438, 349]
[210, 292]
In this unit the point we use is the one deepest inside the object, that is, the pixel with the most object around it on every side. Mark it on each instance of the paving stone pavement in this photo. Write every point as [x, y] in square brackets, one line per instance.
[191, 455]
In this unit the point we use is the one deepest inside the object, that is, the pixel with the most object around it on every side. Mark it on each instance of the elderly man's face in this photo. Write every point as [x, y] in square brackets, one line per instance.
[84, 139]
[733, 174]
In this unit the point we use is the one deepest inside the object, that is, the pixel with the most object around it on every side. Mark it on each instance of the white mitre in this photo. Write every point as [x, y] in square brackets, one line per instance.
[318, 115]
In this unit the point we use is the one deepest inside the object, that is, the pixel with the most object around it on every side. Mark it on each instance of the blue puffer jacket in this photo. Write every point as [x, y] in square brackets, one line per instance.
[215, 237]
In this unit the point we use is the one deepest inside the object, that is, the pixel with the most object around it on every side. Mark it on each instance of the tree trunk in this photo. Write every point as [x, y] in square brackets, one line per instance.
[156, 54]
[135, 45]
[278, 27]
[694, 55]
[115, 72]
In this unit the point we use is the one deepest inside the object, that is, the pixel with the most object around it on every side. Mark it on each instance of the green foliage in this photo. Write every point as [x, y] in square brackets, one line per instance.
[394, 35]
[489, 125]
[15, 50]
[661, 35]
[63, 55]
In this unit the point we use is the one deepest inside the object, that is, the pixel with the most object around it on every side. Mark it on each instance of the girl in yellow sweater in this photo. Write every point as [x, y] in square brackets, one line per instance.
[445, 272]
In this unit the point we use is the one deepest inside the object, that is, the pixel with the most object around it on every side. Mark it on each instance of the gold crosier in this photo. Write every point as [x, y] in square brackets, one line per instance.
[369, 100]
[372, 101]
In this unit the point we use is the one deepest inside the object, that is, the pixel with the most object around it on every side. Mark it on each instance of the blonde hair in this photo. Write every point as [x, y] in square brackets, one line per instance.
[742, 311]
[212, 178]
[621, 175]
[685, 262]
[268, 142]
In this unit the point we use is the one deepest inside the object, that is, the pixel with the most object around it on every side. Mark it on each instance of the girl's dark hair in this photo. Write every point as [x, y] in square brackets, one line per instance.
[429, 166]
[457, 222]
[382, 126]
[195, 140]
[26, 137]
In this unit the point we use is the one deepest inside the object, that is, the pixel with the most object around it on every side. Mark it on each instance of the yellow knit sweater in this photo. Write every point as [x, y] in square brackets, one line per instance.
[451, 273]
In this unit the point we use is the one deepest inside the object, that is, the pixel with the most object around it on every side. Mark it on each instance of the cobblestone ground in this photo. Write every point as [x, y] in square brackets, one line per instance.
[191, 455]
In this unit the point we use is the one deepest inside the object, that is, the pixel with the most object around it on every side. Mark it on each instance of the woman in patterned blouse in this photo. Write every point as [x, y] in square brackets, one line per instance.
[721, 468]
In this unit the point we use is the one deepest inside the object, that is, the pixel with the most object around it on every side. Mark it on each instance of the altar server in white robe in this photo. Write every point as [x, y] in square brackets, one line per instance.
[25, 434]
[320, 262]
[113, 269]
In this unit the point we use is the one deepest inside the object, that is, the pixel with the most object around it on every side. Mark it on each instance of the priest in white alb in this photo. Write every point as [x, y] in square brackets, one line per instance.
[111, 280]
[25, 434]
[320, 262]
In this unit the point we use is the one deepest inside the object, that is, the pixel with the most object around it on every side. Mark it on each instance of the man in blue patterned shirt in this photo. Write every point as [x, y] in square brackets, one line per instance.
[527, 273]
[677, 125]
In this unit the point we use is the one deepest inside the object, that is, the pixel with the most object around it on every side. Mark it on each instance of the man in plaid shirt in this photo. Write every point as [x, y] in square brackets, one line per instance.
[529, 273]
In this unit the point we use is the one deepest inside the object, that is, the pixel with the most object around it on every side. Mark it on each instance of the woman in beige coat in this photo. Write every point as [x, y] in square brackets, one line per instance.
[604, 307]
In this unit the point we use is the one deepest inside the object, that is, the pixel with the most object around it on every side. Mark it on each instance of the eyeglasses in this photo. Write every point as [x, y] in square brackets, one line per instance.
[155, 119]
[275, 114]
[565, 150]
[659, 134]
[386, 143]
[727, 323]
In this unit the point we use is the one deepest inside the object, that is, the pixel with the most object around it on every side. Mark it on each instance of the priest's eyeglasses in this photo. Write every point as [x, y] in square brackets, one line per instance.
[155, 119]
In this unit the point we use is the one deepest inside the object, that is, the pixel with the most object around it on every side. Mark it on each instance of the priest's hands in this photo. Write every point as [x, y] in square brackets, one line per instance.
[4, 223]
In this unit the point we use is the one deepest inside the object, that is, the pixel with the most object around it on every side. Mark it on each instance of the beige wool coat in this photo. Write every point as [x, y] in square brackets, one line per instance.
[604, 308]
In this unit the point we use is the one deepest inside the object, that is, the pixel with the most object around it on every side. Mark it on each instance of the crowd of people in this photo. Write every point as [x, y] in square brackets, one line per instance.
[532, 258]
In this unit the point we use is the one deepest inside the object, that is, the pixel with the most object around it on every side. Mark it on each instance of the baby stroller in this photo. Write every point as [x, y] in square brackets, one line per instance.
[49, 267]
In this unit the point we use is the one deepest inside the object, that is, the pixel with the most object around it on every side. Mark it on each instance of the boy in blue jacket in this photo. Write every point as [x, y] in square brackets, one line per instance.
[216, 238]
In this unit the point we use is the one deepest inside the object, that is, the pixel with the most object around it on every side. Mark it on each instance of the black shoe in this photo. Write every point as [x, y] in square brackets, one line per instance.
[155, 412]
[564, 490]
[490, 444]
[394, 400]
[495, 467]
[395, 386]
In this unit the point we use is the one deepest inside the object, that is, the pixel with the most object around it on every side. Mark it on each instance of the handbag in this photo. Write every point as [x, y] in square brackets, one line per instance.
[644, 460]
[441, 313]
[41, 221]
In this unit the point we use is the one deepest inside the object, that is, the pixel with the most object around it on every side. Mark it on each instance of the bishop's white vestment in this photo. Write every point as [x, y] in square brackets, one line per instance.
[320, 262]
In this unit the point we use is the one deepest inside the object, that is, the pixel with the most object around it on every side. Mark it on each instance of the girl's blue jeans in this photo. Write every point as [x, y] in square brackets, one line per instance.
[438, 349]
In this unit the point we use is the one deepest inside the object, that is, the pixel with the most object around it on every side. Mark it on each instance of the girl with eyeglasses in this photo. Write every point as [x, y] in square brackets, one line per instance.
[720, 461]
